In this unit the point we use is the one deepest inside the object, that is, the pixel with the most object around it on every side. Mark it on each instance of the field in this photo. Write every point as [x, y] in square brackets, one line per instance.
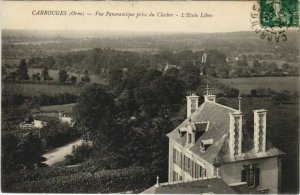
[276, 83]
[37, 89]
[59, 108]
[54, 75]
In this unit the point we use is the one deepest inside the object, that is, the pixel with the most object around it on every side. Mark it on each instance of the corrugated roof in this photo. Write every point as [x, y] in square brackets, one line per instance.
[218, 129]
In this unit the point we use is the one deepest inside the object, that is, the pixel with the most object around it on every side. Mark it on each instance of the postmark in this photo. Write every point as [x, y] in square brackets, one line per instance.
[271, 19]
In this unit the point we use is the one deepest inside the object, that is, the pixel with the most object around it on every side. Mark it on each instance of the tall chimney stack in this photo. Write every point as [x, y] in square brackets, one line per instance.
[260, 122]
[235, 133]
[192, 104]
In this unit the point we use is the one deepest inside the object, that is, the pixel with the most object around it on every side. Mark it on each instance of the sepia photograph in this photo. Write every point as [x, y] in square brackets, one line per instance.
[150, 97]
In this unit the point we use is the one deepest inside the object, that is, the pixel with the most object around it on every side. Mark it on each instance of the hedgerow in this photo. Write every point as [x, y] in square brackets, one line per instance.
[65, 180]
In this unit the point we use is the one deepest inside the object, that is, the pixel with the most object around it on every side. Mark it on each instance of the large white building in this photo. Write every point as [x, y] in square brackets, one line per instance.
[211, 141]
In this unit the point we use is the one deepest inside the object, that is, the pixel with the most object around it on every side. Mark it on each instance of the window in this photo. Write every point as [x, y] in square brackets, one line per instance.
[177, 157]
[185, 168]
[189, 138]
[176, 176]
[250, 174]
[181, 160]
[174, 155]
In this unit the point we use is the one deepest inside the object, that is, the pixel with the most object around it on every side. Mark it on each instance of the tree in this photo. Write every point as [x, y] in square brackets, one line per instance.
[30, 151]
[256, 64]
[115, 77]
[45, 74]
[62, 76]
[22, 71]
[222, 71]
[253, 93]
[73, 79]
[94, 114]
[9, 152]
[49, 61]
[168, 91]
[3, 71]
[36, 76]
[86, 77]
[232, 92]
[281, 97]
[191, 76]
[17, 154]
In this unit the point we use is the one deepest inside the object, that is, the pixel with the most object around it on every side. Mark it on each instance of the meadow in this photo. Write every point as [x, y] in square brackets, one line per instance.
[245, 85]
[54, 74]
[58, 108]
[30, 89]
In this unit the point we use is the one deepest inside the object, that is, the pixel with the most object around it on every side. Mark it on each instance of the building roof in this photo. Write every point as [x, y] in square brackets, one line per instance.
[217, 119]
[46, 117]
[244, 189]
[214, 185]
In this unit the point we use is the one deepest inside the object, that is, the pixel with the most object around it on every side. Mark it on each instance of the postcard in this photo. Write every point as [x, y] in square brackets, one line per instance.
[168, 97]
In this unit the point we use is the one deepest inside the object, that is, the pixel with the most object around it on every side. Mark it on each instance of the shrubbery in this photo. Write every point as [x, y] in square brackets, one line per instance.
[79, 180]
[79, 154]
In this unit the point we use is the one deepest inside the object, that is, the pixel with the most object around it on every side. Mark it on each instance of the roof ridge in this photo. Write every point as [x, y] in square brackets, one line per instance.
[221, 105]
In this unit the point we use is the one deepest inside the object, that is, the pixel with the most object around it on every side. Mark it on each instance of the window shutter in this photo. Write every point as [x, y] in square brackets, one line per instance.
[243, 175]
[257, 177]
[174, 155]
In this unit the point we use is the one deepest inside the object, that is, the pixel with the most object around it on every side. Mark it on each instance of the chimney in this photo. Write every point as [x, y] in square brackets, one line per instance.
[192, 104]
[209, 96]
[260, 122]
[235, 133]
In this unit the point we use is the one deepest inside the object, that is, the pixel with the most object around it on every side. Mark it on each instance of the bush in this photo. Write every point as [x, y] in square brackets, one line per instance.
[104, 181]
[79, 154]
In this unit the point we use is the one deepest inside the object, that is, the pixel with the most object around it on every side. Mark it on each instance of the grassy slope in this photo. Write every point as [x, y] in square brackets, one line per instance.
[59, 108]
[276, 83]
[37, 89]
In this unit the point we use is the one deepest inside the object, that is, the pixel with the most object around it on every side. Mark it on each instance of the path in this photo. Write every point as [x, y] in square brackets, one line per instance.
[58, 154]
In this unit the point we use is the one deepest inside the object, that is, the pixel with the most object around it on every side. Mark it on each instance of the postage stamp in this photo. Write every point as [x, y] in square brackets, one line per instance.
[272, 18]
[279, 13]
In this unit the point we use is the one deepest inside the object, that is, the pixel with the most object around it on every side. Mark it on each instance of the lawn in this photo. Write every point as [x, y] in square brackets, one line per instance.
[276, 83]
[59, 108]
[37, 89]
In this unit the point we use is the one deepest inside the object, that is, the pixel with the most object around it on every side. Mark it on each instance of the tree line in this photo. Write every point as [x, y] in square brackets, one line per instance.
[99, 61]
[21, 74]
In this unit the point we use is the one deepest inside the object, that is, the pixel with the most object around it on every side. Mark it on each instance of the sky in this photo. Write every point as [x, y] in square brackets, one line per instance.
[227, 16]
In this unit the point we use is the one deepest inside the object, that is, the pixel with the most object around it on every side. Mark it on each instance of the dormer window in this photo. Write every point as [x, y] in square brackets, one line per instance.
[179, 133]
[204, 144]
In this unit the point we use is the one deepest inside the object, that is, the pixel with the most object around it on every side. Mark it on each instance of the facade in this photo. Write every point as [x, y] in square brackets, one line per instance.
[211, 141]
